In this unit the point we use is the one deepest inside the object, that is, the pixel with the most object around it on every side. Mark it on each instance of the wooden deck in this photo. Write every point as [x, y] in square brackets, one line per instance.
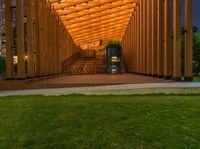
[79, 81]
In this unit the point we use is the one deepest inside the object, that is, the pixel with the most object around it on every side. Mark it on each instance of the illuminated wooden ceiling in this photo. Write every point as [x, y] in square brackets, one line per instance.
[89, 21]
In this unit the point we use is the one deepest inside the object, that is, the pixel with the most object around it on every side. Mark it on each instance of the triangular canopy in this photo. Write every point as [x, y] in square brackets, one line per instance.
[89, 21]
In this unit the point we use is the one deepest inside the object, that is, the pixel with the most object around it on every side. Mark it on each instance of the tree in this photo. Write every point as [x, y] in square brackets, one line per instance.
[2, 65]
[196, 49]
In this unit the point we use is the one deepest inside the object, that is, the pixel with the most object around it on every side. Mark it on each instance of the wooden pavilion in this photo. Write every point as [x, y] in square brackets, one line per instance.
[149, 32]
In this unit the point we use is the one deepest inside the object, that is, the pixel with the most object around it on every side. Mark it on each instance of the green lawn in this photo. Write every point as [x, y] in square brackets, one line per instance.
[196, 78]
[100, 122]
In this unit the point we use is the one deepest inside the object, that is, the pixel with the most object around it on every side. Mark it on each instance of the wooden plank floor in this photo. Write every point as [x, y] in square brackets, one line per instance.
[80, 80]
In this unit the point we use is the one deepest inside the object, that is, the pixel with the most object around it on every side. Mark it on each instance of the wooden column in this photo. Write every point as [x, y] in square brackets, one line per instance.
[141, 39]
[132, 44]
[168, 34]
[135, 39]
[53, 41]
[150, 39]
[8, 29]
[42, 37]
[148, 48]
[188, 40]
[177, 41]
[57, 46]
[144, 17]
[37, 38]
[154, 37]
[20, 39]
[138, 39]
[49, 34]
[46, 25]
[128, 48]
[30, 54]
[160, 38]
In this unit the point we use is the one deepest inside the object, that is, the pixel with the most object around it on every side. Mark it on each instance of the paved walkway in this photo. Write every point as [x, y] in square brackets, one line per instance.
[126, 89]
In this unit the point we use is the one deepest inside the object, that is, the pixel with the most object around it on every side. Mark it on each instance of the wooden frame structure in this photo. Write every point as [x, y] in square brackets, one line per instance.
[56, 29]
[154, 48]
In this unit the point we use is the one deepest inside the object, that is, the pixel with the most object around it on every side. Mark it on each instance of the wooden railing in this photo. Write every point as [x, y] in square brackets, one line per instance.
[85, 54]
[68, 62]
[88, 53]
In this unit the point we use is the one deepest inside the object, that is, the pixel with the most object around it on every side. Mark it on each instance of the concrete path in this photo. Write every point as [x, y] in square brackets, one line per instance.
[126, 89]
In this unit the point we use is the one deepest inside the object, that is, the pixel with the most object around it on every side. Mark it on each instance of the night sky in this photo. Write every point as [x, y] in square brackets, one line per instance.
[196, 9]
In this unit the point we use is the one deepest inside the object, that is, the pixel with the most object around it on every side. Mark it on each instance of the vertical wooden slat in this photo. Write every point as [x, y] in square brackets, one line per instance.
[20, 39]
[168, 44]
[141, 38]
[45, 40]
[144, 37]
[138, 32]
[148, 38]
[135, 40]
[154, 38]
[42, 36]
[30, 54]
[138, 39]
[37, 38]
[8, 31]
[160, 38]
[188, 40]
[177, 41]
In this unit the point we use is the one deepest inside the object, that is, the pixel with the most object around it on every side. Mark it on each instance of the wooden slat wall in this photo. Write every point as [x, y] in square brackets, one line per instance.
[48, 41]
[159, 50]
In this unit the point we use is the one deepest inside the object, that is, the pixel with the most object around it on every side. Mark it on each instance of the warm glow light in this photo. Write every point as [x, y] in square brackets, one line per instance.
[26, 57]
[115, 59]
[15, 59]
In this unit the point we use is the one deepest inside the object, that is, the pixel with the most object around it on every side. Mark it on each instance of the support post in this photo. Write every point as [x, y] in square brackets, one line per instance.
[30, 54]
[138, 38]
[149, 53]
[141, 38]
[37, 38]
[168, 44]
[20, 39]
[160, 38]
[188, 40]
[8, 29]
[154, 38]
[144, 37]
[177, 41]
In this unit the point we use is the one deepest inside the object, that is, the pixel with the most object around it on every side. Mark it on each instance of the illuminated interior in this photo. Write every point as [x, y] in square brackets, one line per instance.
[89, 21]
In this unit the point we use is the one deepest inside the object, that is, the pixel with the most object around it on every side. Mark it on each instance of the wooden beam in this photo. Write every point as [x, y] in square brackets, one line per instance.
[177, 41]
[38, 50]
[144, 17]
[29, 28]
[141, 38]
[160, 38]
[20, 39]
[168, 40]
[138, 38]
[148, 48]
[188, 40]
[8, 31]
[154, 38]
[109, 12]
